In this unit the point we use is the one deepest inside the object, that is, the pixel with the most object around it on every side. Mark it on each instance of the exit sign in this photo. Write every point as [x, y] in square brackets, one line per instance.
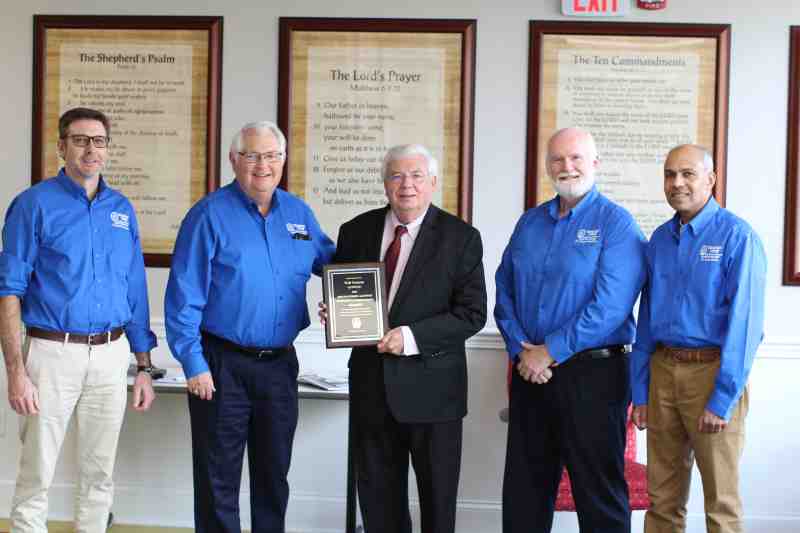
[595, 8]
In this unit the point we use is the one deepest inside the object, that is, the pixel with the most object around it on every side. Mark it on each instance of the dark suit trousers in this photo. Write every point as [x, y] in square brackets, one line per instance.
[577, 419]
[383, 446]
[255, 404]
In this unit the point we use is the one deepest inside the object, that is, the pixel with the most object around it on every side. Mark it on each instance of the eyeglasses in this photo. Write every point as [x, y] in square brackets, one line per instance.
[82, 141]
[416, 176]
[270, 157]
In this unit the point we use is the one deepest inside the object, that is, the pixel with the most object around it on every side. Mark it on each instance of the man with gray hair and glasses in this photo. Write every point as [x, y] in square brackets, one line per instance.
[701, 320]
[235, 302]
[408, 394]
[72, 270]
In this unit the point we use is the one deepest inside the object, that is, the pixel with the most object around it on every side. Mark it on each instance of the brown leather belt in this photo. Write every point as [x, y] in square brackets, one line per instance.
[692, 355]
[94, 339]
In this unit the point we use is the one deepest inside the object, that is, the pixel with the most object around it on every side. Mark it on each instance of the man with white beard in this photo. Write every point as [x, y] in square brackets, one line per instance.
[565, 292]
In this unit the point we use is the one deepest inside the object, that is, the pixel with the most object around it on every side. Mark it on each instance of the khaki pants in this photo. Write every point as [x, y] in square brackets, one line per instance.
[91, 382]
[678, 396]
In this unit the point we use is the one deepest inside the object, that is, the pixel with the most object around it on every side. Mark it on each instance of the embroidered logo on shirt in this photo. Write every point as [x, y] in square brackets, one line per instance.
[296, 228]
[120, 220]
[710, 253]
[587, 236]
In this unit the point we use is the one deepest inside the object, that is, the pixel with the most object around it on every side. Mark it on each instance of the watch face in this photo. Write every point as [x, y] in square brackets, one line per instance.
[153, 371]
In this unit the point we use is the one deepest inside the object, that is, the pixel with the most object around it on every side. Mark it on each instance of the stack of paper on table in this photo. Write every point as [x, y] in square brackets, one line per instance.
[325, 382]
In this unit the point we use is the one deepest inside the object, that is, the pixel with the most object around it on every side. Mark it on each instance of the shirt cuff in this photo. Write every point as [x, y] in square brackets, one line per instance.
[513, 352]
[140, 339]
[14, 275]
[409, 342]
[12, 292]
[557, 348]
[721, 405]
[194, 365]
[639, 394]
[639, 361]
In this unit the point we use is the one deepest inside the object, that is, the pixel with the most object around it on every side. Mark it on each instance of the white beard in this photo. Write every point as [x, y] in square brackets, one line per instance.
[573, 190]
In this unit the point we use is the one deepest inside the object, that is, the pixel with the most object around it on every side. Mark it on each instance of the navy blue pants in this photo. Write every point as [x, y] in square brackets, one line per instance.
[255, 404]
[577, 419]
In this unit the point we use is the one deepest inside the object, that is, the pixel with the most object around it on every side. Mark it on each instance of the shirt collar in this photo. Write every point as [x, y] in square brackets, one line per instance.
[413, 227]
[699, 221]
[584, 203]
[249, 202]
[75, 189]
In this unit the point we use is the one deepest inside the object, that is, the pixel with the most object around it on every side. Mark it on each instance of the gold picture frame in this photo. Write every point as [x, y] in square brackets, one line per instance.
[158, 79]
[351, 88]
[640, 89]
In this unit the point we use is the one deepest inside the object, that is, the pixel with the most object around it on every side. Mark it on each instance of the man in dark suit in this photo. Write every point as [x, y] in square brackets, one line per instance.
[408, 394]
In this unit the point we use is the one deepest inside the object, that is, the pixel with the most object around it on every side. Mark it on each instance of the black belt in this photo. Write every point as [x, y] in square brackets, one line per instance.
[94, 339]
[253, 351]
[603, 352]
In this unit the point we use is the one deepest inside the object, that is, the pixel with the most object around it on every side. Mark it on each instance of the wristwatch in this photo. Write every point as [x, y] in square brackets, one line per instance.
[147, 369]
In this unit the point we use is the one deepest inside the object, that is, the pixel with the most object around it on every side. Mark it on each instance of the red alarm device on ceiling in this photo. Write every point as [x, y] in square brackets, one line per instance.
[651, 4]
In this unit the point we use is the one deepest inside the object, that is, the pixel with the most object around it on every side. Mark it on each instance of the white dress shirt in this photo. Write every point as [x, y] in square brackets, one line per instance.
[406, 245]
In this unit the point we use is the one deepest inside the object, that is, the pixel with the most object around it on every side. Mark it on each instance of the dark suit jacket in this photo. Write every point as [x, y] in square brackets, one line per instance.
[442, 298]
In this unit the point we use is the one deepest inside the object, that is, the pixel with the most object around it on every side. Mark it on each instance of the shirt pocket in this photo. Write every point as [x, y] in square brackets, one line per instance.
[58, 249]
[578, 263]
[528, 262]
[588, 253]
[121, 250]
[707, 279]
[303, 254]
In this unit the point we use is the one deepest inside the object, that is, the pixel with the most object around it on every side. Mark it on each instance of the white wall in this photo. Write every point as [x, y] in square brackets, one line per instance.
[154, 467]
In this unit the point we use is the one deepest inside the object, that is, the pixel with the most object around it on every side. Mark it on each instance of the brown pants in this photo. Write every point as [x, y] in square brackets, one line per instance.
[679, 392]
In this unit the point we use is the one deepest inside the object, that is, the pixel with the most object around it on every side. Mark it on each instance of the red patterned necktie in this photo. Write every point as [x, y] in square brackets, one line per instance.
[392, 253]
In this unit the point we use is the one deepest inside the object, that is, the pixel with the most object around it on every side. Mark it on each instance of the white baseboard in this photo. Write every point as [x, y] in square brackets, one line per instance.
[315, 513]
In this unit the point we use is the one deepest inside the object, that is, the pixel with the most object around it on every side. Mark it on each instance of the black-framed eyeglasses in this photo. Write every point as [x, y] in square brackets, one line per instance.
[255, 157]
[82, 141]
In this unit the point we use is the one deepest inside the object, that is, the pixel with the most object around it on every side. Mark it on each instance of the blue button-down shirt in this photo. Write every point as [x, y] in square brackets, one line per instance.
[76, 264]
[240, 275]
[570, 283]
[705, 287]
